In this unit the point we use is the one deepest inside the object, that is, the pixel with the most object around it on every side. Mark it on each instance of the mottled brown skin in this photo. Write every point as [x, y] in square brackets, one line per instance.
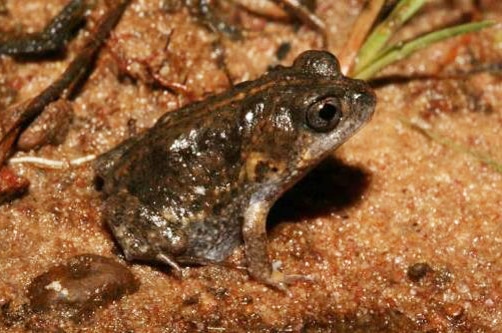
[204, 177]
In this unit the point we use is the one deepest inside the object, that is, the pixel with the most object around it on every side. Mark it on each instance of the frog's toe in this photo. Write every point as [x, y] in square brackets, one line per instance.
[281, 281]
[289, 278]
[175, 268]
[281, 286]
[293, 278]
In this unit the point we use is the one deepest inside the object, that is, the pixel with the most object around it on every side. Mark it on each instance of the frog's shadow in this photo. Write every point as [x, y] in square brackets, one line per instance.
[330, 187]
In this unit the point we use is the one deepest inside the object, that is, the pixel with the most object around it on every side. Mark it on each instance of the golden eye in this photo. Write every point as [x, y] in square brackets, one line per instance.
[324, 115]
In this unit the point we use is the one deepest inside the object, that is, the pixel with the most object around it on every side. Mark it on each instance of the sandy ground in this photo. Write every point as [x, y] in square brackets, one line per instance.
[402, 233]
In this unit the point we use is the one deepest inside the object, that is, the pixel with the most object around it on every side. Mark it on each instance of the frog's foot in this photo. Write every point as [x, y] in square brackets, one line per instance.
[175, 268]
[278, 280]
[255, 247]
[274, 277]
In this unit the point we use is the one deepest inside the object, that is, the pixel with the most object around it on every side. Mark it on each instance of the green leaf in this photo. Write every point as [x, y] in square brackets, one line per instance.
[402, 50]
[403, 11]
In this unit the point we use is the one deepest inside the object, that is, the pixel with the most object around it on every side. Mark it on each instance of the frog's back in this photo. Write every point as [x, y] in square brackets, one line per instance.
[192, 158]
[183, 163]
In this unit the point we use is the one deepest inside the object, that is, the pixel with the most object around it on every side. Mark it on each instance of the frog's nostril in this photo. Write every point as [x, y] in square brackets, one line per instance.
[372, 100]
[367, 99]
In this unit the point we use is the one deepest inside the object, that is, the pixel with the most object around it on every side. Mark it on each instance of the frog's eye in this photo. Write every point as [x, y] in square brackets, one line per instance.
[324, 115]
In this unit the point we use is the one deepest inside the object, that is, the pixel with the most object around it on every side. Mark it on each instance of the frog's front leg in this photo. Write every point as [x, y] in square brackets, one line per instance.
[256, 246]
[142, 232]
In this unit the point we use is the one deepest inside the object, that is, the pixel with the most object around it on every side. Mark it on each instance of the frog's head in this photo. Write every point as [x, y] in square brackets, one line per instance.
[329, 110]
[311, 110]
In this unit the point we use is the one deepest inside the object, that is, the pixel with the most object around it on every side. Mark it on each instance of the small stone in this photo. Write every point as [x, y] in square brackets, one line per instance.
[418, 271]
[79, 287]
